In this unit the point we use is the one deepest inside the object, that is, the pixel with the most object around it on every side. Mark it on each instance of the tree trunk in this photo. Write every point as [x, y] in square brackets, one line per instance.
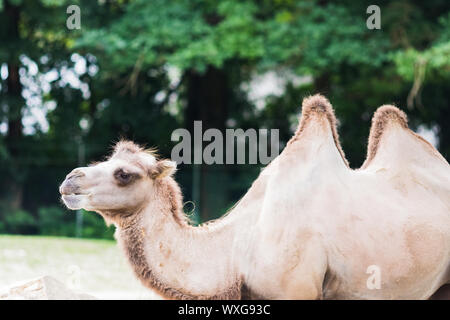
[207, 102]
[322, 84]
[15, 103]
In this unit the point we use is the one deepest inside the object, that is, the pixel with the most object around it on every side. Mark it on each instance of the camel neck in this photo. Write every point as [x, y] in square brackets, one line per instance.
[178, 260]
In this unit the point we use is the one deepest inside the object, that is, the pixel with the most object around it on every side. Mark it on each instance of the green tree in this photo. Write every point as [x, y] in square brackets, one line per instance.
[130, 50]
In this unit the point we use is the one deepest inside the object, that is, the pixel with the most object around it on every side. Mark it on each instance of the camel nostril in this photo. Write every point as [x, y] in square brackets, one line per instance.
[75, 174]
[69, 187]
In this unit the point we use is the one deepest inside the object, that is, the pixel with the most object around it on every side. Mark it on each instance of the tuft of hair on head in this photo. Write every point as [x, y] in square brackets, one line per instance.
[126, 146]
[319, 105]
[152, 151]
[384, 115]
[129, 147]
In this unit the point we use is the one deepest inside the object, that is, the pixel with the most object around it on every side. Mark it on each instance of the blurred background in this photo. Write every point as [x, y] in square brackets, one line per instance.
[140, 69]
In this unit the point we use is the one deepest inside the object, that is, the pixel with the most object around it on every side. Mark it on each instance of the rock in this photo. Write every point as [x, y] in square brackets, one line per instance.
[44, 288]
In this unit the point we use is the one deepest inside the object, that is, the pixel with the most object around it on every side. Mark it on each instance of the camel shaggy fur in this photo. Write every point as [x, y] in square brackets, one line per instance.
[308, 228]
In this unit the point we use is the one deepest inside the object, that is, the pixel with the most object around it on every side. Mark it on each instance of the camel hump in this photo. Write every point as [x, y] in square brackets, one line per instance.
[389, 113]
[317, 104]
[384, 116]
[408, 145]
[318, 107]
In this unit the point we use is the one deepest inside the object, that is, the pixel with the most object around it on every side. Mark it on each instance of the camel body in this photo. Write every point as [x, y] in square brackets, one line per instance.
[393, 214]
[308, 228]
[330, 245]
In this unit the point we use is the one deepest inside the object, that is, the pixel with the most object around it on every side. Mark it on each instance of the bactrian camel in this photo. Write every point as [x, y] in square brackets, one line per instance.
[309, 227]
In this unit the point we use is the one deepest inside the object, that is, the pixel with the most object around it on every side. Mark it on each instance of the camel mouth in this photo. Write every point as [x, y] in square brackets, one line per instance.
[68, 188]
[73, 201]
[73, 194]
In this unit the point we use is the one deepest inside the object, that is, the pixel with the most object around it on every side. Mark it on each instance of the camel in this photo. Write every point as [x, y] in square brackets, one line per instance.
[309, 227]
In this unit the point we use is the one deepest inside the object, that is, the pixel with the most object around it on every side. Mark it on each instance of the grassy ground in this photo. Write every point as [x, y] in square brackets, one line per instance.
[96, 267]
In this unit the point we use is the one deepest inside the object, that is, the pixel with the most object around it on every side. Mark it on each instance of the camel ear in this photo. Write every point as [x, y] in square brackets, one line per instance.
[163, 168]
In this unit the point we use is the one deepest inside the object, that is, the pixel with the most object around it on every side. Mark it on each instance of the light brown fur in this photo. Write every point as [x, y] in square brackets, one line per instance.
[307, 228]
[318, 105]
[132, 234]
[382, 117]
[132, 237]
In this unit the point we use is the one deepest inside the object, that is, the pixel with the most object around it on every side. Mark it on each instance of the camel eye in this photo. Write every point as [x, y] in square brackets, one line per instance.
[123, 177]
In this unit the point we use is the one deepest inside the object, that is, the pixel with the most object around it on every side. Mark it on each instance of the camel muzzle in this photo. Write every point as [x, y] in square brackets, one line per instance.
[69, 185]
[71, 194]
[69, 188]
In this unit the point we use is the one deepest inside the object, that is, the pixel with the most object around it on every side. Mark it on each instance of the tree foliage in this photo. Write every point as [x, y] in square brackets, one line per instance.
[115, 78]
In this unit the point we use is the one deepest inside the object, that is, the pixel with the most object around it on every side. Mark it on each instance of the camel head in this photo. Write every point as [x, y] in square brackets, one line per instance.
[118, 186]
